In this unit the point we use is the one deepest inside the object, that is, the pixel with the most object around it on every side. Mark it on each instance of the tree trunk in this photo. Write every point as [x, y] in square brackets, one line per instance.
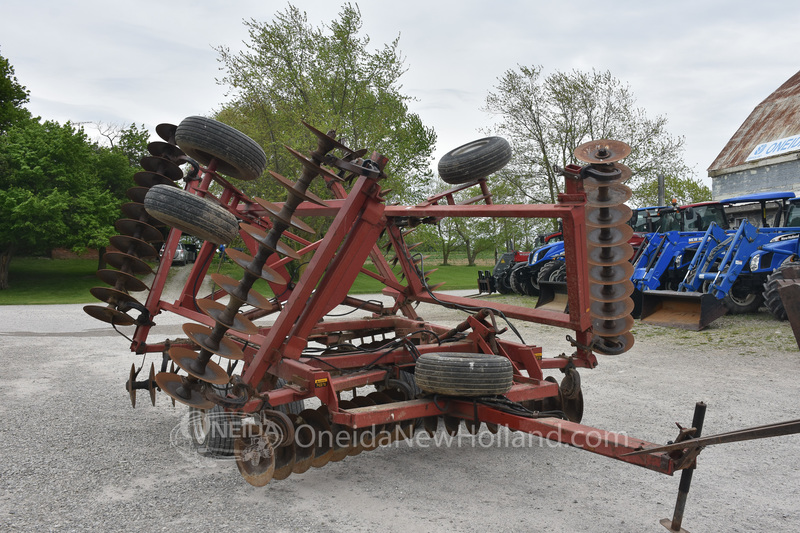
[5, 260]
[101, 258]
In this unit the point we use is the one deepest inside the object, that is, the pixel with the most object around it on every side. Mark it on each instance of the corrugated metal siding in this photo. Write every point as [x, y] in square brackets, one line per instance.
[775, 118]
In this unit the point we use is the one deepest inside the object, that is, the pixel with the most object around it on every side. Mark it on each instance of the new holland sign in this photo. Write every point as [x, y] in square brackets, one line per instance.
[779, 147]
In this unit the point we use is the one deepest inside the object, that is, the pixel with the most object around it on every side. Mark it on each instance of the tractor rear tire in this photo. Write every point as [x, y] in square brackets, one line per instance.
[553, 271]
[236, 154]
[475, 160]
[772, 298]
[191, 214]
[502, 283]
[464, 374]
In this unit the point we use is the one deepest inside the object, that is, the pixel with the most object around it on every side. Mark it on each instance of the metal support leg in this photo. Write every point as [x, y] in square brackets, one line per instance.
[686, 476]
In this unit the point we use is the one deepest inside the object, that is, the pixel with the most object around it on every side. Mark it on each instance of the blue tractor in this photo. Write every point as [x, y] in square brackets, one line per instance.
[717, 271]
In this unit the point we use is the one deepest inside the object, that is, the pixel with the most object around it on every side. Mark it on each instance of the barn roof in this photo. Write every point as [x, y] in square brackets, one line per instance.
[775, 119]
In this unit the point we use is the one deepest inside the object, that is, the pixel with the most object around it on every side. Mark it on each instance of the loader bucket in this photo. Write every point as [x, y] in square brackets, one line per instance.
[552, 296]
[789, 290]
[685, 310]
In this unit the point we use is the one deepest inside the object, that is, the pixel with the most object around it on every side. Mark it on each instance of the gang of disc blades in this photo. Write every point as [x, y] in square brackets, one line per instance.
[612, 310]
[275, 211]
[138, 229]
[303, 195]
[133, 246]
[245, 261]
[109, 315]
[201, 335]
[121, 280]
[215, 310]
[610, 328]
[230, 286]
[128, 263]
[188, 360]
[602, 151]
[610, 292]
[611, 236]
[608, 196]
[163, 166]
[610, 255]
[172, 385]
[610, 274]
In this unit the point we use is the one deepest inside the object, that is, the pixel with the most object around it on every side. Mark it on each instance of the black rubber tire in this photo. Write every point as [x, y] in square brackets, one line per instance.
[502, 283]
[740, 304]
[514, 278]
[191, 214]
[529, 279]
[772, 298]
[213, 431]
[553, 271]
[237, 155]
[475, 160]
[464, 374]
[291, 408]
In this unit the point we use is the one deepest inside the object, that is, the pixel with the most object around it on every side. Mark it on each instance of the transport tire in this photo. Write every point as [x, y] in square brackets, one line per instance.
[475, 160]
[237, 155]
[191, 214]
[464, 374]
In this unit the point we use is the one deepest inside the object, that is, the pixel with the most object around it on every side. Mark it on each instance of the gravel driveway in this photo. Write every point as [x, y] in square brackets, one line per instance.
[76, 457]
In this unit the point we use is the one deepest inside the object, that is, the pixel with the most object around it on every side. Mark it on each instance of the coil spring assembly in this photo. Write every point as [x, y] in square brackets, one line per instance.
[607, 237]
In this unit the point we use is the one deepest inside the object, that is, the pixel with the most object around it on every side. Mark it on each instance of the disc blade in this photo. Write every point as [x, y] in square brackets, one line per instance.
[612, 328]
[163, 166]
[605, 217]
[121, 280]
[602, 151]
[167, 132]
[137, 194]
[260, 236]
[165, 149]
[127, 263]
[138, 230]
[609, 236]
[612, 292]
[133, 246]
[201, 335]
[608, 196]
[109, 315]
[172, 385]
[613, 345]
[151, 179]
[303, 195]
[610, 255]
[217, 311]
[245, 261]
[275, 211]
[231, 286]
[604, 274]
[611, 310]
[188, 360]
[112, 296]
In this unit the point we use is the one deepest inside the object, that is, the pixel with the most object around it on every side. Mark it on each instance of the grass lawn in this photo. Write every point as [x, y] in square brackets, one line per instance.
[36, 280]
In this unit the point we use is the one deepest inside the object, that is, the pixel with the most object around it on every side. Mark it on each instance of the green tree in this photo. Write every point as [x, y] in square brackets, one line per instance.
[291, 71]
[546, 117]
[51, 191]
[12, 97]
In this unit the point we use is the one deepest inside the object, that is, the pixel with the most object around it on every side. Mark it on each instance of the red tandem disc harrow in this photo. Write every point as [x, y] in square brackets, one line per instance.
[255, 358]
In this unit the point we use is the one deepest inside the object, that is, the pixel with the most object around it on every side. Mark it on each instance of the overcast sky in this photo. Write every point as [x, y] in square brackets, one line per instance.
[703, 64]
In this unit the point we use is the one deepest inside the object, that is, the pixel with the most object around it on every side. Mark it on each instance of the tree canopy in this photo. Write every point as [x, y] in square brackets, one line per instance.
[329, 77]
[12, 97]
[546, 117]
